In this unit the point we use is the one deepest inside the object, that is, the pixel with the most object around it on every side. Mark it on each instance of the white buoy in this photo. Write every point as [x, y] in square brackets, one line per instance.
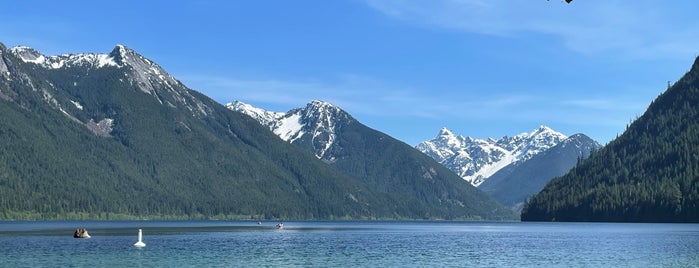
[140, 243]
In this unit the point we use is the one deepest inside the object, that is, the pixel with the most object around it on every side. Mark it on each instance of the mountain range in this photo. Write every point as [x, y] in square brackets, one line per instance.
[105, 136]
[520, 166]
[378, 160]
[475, 160]
[510, 169]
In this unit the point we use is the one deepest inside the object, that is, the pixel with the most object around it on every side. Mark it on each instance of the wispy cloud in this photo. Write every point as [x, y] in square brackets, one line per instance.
[639, 29]
[355, 93]
[366, 96]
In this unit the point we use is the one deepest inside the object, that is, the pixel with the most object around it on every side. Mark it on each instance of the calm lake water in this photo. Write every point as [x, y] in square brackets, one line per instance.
[348, 244]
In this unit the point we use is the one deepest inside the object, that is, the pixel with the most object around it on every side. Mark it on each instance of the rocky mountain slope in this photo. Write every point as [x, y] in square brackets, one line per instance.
[383, 163]
[113, 135]
[314, 127]
[476, 160]
[516, 183]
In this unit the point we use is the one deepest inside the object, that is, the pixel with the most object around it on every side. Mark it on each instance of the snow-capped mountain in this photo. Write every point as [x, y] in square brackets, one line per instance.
[266, 118]
[28, 54]
[513, 184]
[313, 126]
[475, 160]
[140, 72]
[382, 162]
[154, 138]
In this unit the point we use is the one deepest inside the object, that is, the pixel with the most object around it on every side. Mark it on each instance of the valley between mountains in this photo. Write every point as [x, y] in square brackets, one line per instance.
[114, 136]
[520, 165]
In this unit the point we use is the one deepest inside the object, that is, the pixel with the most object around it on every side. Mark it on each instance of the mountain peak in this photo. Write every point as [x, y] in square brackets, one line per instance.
[266, 118]
[121, 53]
[320, 103]
[445, 132]
[544, 132]
[27, 54]
[476, 159]
[318, 107]
[30, 55]
[152, 79]
[543, 128]
[318, 110]
[314, 125]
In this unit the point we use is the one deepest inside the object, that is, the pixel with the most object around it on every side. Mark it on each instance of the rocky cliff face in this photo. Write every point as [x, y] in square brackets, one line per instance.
[313, 127]
[475, 160]
[383, 163]
[141, 144]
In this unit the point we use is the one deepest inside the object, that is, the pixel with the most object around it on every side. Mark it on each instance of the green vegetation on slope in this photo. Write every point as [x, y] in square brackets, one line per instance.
[160, 160]
[648, 174]
[171, 153]
[417, 185]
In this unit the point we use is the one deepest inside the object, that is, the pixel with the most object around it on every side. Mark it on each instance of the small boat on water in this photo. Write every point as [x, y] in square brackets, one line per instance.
[280, 225]
[81, 233]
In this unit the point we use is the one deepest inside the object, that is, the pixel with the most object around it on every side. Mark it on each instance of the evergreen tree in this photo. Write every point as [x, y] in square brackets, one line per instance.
[648, 174]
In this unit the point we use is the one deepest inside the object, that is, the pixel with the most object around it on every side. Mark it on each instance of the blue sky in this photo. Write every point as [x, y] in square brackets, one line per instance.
[482, 68]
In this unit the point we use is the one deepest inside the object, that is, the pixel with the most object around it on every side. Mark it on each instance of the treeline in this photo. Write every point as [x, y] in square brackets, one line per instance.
[648, 174]
[416, 184]
[159, 160]
[164, 158]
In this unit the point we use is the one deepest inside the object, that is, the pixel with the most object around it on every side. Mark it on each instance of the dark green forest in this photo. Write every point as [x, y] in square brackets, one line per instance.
[159, 160]
[171, 153]
[403, 173]
[648, 174]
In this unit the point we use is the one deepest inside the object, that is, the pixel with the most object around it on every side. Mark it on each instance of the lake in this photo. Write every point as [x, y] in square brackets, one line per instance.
[348, 244]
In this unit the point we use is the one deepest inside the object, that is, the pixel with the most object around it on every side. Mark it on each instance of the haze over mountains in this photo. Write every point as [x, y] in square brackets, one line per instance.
[113, 135]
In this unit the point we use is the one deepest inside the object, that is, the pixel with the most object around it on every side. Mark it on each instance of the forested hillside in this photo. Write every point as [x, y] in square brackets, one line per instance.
[105, 136]
[648, 174]
[153, 160]
[421, 187]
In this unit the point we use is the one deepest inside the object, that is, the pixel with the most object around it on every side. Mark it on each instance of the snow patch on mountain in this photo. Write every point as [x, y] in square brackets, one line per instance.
[137, 70]
[314, 124]
[475, 160]
[77, 104]
[30, 55]
[289, 128]
[266, 118]
[146, 74]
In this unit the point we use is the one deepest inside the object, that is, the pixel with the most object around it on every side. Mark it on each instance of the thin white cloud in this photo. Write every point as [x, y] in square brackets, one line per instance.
[639, 29]
[364, 96]
[357, 94]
